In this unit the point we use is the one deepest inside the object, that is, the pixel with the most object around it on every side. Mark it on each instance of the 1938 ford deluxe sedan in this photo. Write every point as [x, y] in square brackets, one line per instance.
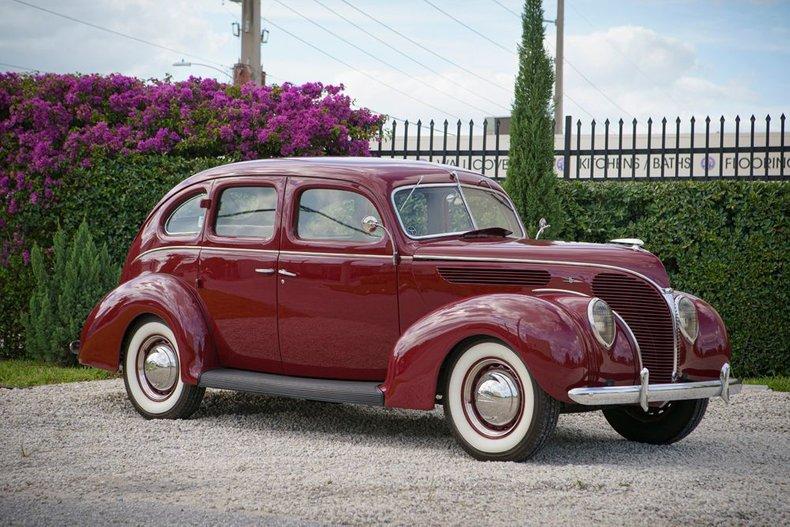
[401, 284]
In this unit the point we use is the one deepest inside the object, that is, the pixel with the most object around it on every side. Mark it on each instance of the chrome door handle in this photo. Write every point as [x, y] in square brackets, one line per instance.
[264, 271]
[286, 273]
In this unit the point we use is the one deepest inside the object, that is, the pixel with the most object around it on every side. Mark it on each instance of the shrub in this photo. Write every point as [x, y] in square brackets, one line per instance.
[65, 292]
[113, 196]
[50, 124]
[724, 241]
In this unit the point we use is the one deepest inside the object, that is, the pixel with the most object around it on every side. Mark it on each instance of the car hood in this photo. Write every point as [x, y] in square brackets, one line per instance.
[556, 252]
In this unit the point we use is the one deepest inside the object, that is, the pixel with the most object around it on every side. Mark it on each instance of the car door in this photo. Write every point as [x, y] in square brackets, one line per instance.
[238, 264]
[337, 284]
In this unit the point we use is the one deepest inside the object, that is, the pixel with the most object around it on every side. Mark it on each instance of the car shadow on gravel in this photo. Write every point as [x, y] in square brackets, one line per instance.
[278, 413]
[578, 440]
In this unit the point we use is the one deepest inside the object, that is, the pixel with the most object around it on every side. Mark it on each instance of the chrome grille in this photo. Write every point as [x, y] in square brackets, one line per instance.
[478, 275]
[647, 314]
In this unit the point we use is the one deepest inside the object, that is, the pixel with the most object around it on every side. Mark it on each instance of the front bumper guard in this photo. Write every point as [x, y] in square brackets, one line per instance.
[646, 393]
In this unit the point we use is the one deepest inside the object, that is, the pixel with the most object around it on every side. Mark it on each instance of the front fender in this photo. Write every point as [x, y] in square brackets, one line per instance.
[549, 333]
[711, 350]
[162, 295]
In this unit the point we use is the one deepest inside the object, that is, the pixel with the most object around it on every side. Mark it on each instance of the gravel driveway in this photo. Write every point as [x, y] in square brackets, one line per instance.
[78, 453]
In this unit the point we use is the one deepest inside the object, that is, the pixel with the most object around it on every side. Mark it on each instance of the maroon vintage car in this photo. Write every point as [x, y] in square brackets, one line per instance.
[402, 284]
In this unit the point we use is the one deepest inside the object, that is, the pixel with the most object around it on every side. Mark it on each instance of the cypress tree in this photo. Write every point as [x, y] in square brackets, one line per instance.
[530, 176]
[81, 273]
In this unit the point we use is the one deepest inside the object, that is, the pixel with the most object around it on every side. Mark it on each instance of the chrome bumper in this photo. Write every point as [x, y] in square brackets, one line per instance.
[647, 393]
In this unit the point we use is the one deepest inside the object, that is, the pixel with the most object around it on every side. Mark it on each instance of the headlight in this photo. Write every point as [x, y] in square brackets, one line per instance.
[687, 317]
[602, 321]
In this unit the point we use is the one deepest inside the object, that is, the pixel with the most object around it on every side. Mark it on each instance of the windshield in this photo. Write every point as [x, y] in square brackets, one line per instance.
[436, 210]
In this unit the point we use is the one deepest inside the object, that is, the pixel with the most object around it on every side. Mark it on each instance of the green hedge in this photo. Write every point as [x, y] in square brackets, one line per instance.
[114, 196]
[724, 241]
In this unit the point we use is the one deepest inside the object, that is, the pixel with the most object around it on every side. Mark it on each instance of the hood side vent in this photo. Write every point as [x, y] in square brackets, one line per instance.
[477, 275]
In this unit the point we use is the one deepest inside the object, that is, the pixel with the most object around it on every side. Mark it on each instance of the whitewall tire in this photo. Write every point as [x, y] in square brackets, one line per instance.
[496, 410]
[152, 375]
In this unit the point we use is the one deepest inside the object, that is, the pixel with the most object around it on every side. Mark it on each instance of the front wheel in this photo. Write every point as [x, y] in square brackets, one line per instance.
[152, 375]
[496, 410]
[658, 426]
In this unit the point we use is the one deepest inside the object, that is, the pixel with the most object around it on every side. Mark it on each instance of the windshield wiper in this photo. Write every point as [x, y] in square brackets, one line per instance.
[487, 232]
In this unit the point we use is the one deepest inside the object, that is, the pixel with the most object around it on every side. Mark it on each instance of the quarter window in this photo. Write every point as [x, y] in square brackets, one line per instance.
[188, 218]
[246, 212]
[330, 214]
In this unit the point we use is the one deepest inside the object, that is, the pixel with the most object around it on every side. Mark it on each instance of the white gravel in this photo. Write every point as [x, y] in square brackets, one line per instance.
[79, 454]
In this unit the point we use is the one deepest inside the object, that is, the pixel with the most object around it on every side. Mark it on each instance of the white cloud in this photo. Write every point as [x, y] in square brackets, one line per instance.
[648, 74]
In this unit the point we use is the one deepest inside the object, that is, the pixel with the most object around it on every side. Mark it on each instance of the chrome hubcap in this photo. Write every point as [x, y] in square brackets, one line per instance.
[497, 398]
[492, 397]
[157, 367]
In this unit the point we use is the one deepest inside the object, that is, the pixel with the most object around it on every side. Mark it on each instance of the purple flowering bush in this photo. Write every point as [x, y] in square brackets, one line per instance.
[105, 148]
[50, 124]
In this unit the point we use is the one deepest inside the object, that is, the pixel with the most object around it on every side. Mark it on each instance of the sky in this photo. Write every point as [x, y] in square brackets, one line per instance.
[624, 59]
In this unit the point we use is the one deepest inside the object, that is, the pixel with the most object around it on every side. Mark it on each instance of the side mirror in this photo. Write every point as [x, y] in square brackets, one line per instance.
[542, 226]
[370, 224]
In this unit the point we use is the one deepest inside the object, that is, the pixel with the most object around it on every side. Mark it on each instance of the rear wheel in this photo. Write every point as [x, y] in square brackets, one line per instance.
[496, 410]
[658, 426]
[152, 374]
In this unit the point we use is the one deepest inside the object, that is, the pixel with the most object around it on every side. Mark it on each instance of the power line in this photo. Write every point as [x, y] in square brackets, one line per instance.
[432, 52]
[14, 66]
[626, 57]
[506, 8]
[346, 64]
[377, 59]
[407, 56]
[470, 28]
[505, 48]
[114, 32]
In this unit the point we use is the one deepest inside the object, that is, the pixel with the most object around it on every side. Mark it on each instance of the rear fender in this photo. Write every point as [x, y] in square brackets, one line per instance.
[546, 333]
[163, 296]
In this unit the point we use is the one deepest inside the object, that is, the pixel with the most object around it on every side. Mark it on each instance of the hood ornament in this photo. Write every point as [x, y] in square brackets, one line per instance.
[542, 226]
[634, 243]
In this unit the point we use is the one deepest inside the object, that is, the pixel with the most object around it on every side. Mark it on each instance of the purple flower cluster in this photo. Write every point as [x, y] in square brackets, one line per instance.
[50, 123]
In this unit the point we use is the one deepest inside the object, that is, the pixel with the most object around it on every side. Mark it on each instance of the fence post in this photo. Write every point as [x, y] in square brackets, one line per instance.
[566, 155]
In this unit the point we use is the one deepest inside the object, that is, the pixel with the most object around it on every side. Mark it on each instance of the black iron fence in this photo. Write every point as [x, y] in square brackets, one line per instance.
[662, 150]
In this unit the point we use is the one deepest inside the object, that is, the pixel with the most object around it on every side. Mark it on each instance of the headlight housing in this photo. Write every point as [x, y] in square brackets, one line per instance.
[687, 317]
[601, 319]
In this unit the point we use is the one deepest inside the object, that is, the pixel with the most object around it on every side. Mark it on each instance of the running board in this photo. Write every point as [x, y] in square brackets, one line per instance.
[329, 390]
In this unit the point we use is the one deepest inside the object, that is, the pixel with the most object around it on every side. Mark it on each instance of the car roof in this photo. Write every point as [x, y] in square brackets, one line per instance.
[357, 168]
[378, 174]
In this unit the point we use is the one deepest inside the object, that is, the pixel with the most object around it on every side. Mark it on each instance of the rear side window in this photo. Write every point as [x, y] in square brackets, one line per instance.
[246, 212]
[187, 218]
[331, 214]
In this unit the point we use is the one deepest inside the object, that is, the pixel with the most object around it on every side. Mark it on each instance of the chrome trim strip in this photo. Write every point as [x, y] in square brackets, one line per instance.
[633, 338]
[552, 290]
[239, 250]
[539, 262]
[645, 393]
[265, 251]
[445, 234]
[337, 255]
[168, 248]
[670, 300]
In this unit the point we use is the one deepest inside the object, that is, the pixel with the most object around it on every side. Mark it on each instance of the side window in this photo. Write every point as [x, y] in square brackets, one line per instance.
[187, 218]
[246, 212]
[330, 214]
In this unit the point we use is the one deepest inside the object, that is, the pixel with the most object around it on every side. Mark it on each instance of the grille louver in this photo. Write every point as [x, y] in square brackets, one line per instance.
[647, 313]
[476, 275]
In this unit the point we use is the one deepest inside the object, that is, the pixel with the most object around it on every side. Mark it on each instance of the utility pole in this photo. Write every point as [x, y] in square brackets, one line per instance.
[249, 67]
[558, 66]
